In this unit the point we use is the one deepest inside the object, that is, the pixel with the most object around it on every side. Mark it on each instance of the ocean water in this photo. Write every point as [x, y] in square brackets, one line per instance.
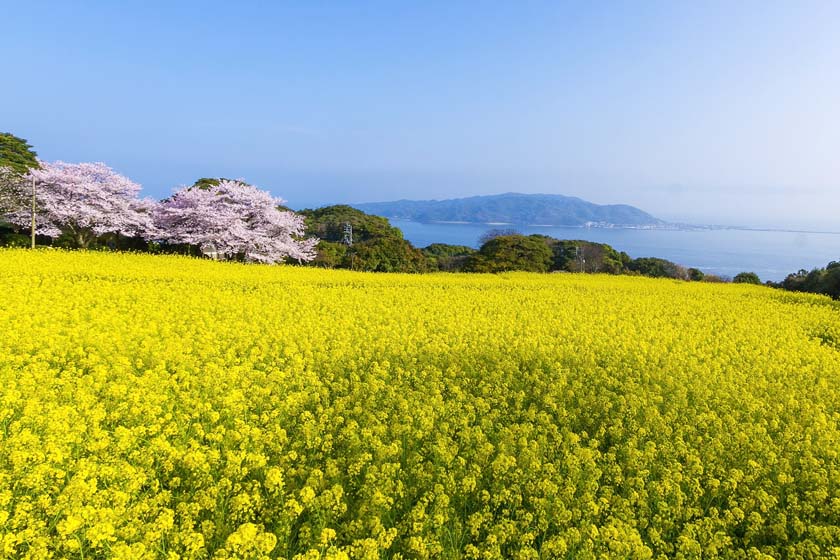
[726, 252]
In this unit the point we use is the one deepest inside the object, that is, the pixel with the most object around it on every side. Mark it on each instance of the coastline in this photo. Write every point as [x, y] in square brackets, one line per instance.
[602, 225]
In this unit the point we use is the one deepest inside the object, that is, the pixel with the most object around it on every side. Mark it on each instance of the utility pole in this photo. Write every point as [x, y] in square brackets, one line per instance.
[348, 240]
[348, 234]
[580, 258]
[33, 212]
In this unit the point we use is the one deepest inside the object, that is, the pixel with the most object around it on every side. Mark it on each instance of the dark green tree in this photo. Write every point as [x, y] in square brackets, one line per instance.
[831, 280]
[16, 153]
[16, 159]
[328, 223]
[512, 252]
[817, 281]
[496, 232]
[657, 268]
[746, 278]
[586, 256]
[389, 254]
[696, 275]
[448, 258]
[377, 245]
[804, 281]
[207, 182]
[330, 254]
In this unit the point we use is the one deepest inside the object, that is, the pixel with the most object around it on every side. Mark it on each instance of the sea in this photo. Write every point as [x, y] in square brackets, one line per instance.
[772, 254]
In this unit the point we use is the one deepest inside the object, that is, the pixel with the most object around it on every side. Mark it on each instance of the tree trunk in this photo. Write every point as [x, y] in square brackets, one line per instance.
[83, 239]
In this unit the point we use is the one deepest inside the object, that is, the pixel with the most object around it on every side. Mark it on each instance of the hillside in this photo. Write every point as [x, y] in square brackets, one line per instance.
[163, 407]
[513, 208]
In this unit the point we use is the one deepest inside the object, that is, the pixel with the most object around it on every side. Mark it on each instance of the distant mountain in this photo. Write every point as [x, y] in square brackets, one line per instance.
[513, 208]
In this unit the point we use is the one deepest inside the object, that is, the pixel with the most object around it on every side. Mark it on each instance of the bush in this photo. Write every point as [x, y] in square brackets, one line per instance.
[696, 275]
[512, 252]
[657, 268]
[448, 258]
[586, 256]
[15, 240]
[746, 278]
[377, 245]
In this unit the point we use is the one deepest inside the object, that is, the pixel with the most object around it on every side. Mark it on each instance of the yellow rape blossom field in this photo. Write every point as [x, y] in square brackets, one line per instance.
[165, 407]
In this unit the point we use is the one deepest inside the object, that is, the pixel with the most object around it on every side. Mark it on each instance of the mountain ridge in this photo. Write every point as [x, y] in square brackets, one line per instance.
[515, 209]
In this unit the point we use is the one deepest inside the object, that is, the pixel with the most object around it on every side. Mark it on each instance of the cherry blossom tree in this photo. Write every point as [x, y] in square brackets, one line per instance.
[233, 219]
[86, 200]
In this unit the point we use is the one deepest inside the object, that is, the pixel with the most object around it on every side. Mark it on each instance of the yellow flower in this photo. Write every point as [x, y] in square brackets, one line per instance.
[160, 407]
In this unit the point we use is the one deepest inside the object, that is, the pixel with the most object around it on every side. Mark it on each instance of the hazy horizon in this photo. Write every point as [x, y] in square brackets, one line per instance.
[710, 113]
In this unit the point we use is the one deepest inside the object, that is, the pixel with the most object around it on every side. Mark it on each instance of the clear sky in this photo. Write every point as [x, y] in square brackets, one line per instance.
[712, 112]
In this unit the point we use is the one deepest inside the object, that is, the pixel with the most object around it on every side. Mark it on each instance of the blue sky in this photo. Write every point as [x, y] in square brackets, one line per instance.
[717, 112]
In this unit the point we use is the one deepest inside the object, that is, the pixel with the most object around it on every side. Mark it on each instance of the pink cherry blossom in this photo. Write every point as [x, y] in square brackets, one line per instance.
[88, 199]
[234, 218]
